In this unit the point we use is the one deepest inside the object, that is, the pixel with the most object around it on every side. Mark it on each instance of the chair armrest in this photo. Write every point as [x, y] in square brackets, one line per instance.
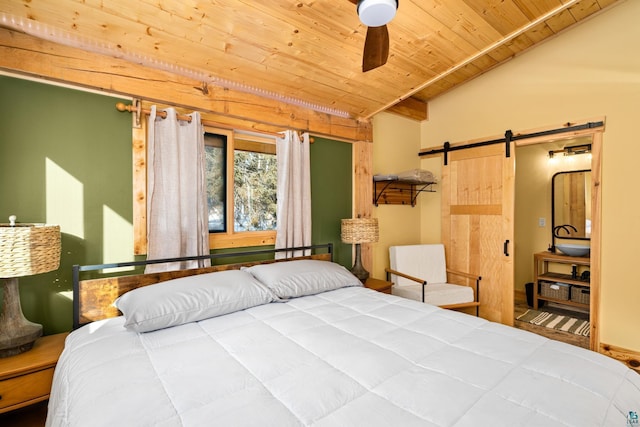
[406, 276]
[463, 274]
[461, 305]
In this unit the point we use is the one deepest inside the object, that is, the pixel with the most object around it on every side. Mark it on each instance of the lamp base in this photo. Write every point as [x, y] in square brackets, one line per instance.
[17, 334]
[357, 269]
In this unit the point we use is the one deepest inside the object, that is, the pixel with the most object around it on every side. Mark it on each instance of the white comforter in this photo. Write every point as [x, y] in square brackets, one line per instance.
[349, 357]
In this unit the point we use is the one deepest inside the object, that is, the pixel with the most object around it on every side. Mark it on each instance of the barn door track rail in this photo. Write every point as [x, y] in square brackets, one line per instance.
[508, 138]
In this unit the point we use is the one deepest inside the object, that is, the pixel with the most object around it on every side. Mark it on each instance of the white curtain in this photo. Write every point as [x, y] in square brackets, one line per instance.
[294, 192]
[177, 223]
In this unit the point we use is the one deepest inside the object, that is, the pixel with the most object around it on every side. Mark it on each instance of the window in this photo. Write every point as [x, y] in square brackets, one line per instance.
[250, 164]
[215, 147]
[254, 186]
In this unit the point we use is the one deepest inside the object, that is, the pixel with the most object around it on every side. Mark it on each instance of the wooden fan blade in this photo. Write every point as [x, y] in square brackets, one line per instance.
[376, 48]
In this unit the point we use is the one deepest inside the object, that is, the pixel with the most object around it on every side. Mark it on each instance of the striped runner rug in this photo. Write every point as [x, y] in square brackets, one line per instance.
[556, 321]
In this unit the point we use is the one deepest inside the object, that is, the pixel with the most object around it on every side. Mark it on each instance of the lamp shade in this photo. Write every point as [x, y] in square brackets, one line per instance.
[359, 230]
[27, 249]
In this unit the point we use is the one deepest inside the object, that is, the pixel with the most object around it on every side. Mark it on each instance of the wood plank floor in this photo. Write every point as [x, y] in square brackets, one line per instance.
[580, 341]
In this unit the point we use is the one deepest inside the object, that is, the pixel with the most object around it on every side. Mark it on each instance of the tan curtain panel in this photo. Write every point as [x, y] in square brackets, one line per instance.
[294, 191]
[177, 204]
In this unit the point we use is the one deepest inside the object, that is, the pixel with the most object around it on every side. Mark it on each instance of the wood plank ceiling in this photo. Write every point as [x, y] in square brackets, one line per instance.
[306, 52]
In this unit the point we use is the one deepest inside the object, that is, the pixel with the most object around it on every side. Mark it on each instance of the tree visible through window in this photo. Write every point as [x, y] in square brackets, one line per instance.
[254, 178]
[254, 195]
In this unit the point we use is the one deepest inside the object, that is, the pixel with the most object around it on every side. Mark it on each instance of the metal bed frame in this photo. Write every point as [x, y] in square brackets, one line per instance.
[77, 269]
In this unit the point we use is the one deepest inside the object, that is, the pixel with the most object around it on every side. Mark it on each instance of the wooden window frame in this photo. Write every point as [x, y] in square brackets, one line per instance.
[217, 240]
[231, 238]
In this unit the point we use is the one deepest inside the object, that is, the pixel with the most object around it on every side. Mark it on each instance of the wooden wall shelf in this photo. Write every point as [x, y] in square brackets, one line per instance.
[399, 192]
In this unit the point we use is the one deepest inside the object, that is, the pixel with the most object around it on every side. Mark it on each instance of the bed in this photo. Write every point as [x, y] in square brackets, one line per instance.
[299, 343]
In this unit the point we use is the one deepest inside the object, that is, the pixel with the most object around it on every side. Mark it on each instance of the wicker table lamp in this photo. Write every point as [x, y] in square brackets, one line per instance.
[25, 249]
[359, 230]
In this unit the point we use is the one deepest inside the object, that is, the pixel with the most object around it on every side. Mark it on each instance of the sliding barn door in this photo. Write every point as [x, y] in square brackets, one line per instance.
[477, 224]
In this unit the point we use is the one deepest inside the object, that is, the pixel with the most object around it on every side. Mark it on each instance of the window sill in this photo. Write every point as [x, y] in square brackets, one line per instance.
[240, 240]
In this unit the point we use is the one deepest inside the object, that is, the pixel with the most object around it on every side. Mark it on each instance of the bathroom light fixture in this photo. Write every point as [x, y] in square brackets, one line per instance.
[573, 150]
[376, 13]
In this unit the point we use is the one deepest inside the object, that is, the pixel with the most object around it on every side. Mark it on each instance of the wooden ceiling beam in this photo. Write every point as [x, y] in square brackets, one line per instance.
[411, 108]
[28, 55]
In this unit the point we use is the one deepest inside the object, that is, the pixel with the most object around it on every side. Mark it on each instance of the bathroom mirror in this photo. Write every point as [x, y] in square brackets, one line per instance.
[571, 205]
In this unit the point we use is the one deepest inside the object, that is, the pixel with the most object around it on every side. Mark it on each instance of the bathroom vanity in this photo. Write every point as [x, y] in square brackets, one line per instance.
[561, 279]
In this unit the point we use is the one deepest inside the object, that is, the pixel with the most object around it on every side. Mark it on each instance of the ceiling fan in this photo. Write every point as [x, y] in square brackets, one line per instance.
[375, 14]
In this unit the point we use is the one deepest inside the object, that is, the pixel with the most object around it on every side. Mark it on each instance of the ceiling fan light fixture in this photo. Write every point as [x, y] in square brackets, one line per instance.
[376, 13]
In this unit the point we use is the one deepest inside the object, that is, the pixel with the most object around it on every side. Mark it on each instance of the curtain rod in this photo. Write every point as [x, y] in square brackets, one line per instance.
[133, 109]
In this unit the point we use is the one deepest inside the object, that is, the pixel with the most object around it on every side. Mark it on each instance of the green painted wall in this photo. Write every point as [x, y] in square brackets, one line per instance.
[331, 194]
[65, 158]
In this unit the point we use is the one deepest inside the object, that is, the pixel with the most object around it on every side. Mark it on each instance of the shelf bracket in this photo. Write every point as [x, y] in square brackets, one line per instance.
[399, 191]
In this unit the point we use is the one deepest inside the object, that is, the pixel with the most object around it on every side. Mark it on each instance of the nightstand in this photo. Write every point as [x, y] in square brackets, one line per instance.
[26, 377]
[378, 285]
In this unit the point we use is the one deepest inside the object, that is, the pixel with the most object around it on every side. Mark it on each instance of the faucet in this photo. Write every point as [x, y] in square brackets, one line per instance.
[564, 227]
[556, 229]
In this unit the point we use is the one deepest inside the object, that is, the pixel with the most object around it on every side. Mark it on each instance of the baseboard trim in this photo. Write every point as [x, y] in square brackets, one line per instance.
[628, 357]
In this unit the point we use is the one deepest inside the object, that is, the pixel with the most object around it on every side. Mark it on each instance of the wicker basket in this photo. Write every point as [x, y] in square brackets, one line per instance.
[580, 294]
[558, 291]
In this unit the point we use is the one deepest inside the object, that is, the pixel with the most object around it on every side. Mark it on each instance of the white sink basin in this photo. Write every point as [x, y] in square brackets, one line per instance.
[574, 250]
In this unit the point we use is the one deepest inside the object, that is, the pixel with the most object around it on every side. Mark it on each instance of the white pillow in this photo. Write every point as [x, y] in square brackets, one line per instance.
[290, 279]
[189, 299]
